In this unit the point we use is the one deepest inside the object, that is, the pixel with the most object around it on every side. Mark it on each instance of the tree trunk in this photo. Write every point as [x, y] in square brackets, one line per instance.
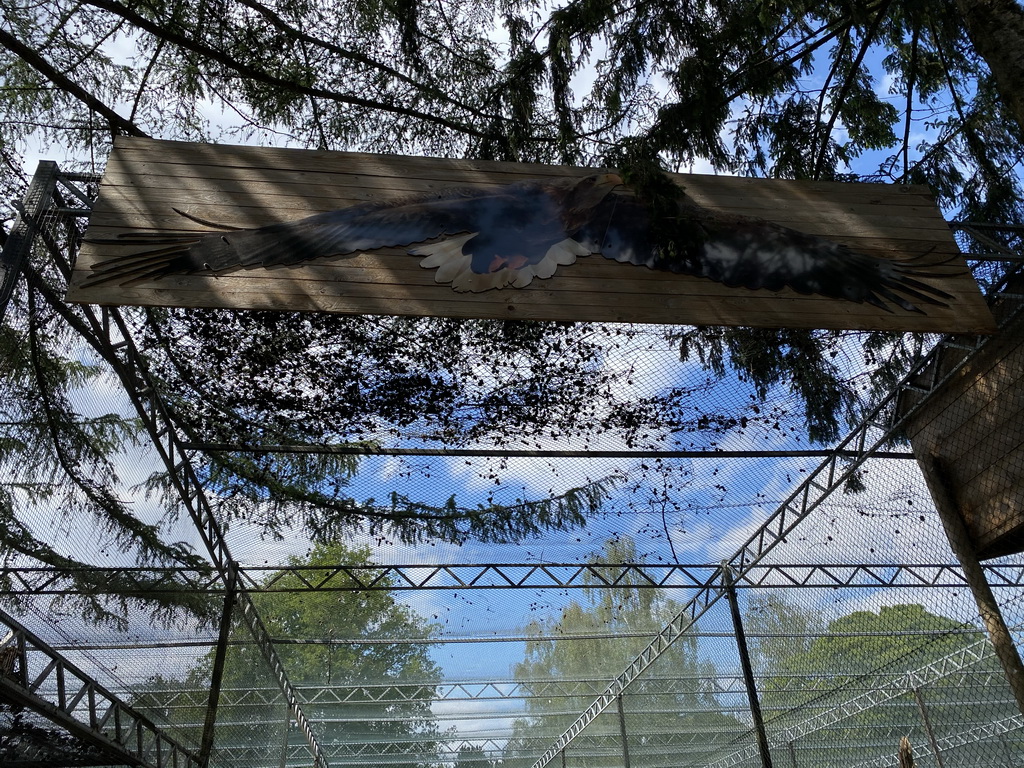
[996, 28]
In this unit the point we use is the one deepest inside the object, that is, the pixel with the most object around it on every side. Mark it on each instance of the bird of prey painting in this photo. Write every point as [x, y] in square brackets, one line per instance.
[494, 237]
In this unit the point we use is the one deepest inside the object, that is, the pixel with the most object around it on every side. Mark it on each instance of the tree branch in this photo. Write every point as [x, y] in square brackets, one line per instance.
[260, 76]
[31, 57]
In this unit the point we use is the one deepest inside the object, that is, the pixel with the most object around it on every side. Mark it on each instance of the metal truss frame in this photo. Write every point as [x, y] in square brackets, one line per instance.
[39, 678]
[884, 690]
[130, 366]
[51, 192]
[875, 431]
[498, 690]
[383, 693]
[391, 752]
[961, 739]
[138, 582]
[111, 336]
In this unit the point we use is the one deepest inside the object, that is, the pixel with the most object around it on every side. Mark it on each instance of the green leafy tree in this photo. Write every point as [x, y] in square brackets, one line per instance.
[806, 668]
[672, 708]
[364, 641]
[59, 464]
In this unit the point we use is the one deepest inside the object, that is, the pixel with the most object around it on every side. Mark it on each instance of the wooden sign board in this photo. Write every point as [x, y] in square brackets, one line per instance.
[147, 182]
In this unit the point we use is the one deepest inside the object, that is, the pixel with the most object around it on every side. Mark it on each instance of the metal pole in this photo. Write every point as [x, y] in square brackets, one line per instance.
[217, 676]
[748, 670]
[563, 758]
[792, 753]
[928, 726]
[284, 744]
[937, 479]
[622, 730]
[367, 450]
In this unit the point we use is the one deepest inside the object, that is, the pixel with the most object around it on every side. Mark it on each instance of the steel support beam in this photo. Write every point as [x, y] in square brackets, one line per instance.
[217, 674]
[45, 195]
[748, 669]
[131, 368]
[321, 697]
[367, 450]
[882, 689]
[42, 680]
[623, 733]
[139, 582]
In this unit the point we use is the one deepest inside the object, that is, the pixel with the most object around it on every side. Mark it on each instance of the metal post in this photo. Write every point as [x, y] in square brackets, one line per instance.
[748, 670]
[284, 742]
[563, 758]
[622, 730]
[792, 753]
[959, 540]
[217, 676]
[928, 726]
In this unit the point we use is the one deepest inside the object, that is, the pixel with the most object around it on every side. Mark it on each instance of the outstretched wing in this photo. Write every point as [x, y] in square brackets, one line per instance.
[745, 252]
[480, 238]
[490, 237]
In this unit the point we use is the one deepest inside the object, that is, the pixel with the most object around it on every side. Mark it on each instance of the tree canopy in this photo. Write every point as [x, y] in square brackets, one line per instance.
[349, 639]
[866, 90]
[806, 667]
[595, 638]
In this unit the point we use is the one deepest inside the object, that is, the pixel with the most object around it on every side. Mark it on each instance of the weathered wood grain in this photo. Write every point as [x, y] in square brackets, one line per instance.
[147, 180]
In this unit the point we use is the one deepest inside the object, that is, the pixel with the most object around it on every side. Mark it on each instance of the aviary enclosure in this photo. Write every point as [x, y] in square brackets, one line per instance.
[736, 596]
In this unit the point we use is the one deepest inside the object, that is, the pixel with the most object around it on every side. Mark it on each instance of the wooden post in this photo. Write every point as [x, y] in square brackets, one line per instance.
[936, 477]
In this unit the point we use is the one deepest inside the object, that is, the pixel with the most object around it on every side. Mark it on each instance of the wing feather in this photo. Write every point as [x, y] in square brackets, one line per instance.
[344, 231]
[745, 252]
[490, 237]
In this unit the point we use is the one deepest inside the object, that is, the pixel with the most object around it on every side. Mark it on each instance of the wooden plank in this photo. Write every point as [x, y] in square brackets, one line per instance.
[593, 274]
[249, 186]
[985, 428]
[979, 407]
[258, 201]
[533, 303]
[991, 498]
[711, 189]
[950, 406]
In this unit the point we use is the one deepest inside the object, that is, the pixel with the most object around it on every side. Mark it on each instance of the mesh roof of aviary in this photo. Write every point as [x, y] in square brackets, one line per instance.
[350, 640]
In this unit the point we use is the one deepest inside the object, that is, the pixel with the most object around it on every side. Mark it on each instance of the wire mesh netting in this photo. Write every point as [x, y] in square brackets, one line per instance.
[710, 533]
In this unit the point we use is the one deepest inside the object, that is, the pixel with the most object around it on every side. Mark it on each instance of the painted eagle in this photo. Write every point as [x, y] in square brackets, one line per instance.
[482, 238]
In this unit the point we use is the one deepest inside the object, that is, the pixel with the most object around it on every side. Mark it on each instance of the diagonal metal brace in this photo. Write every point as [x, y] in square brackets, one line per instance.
[71, 699]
